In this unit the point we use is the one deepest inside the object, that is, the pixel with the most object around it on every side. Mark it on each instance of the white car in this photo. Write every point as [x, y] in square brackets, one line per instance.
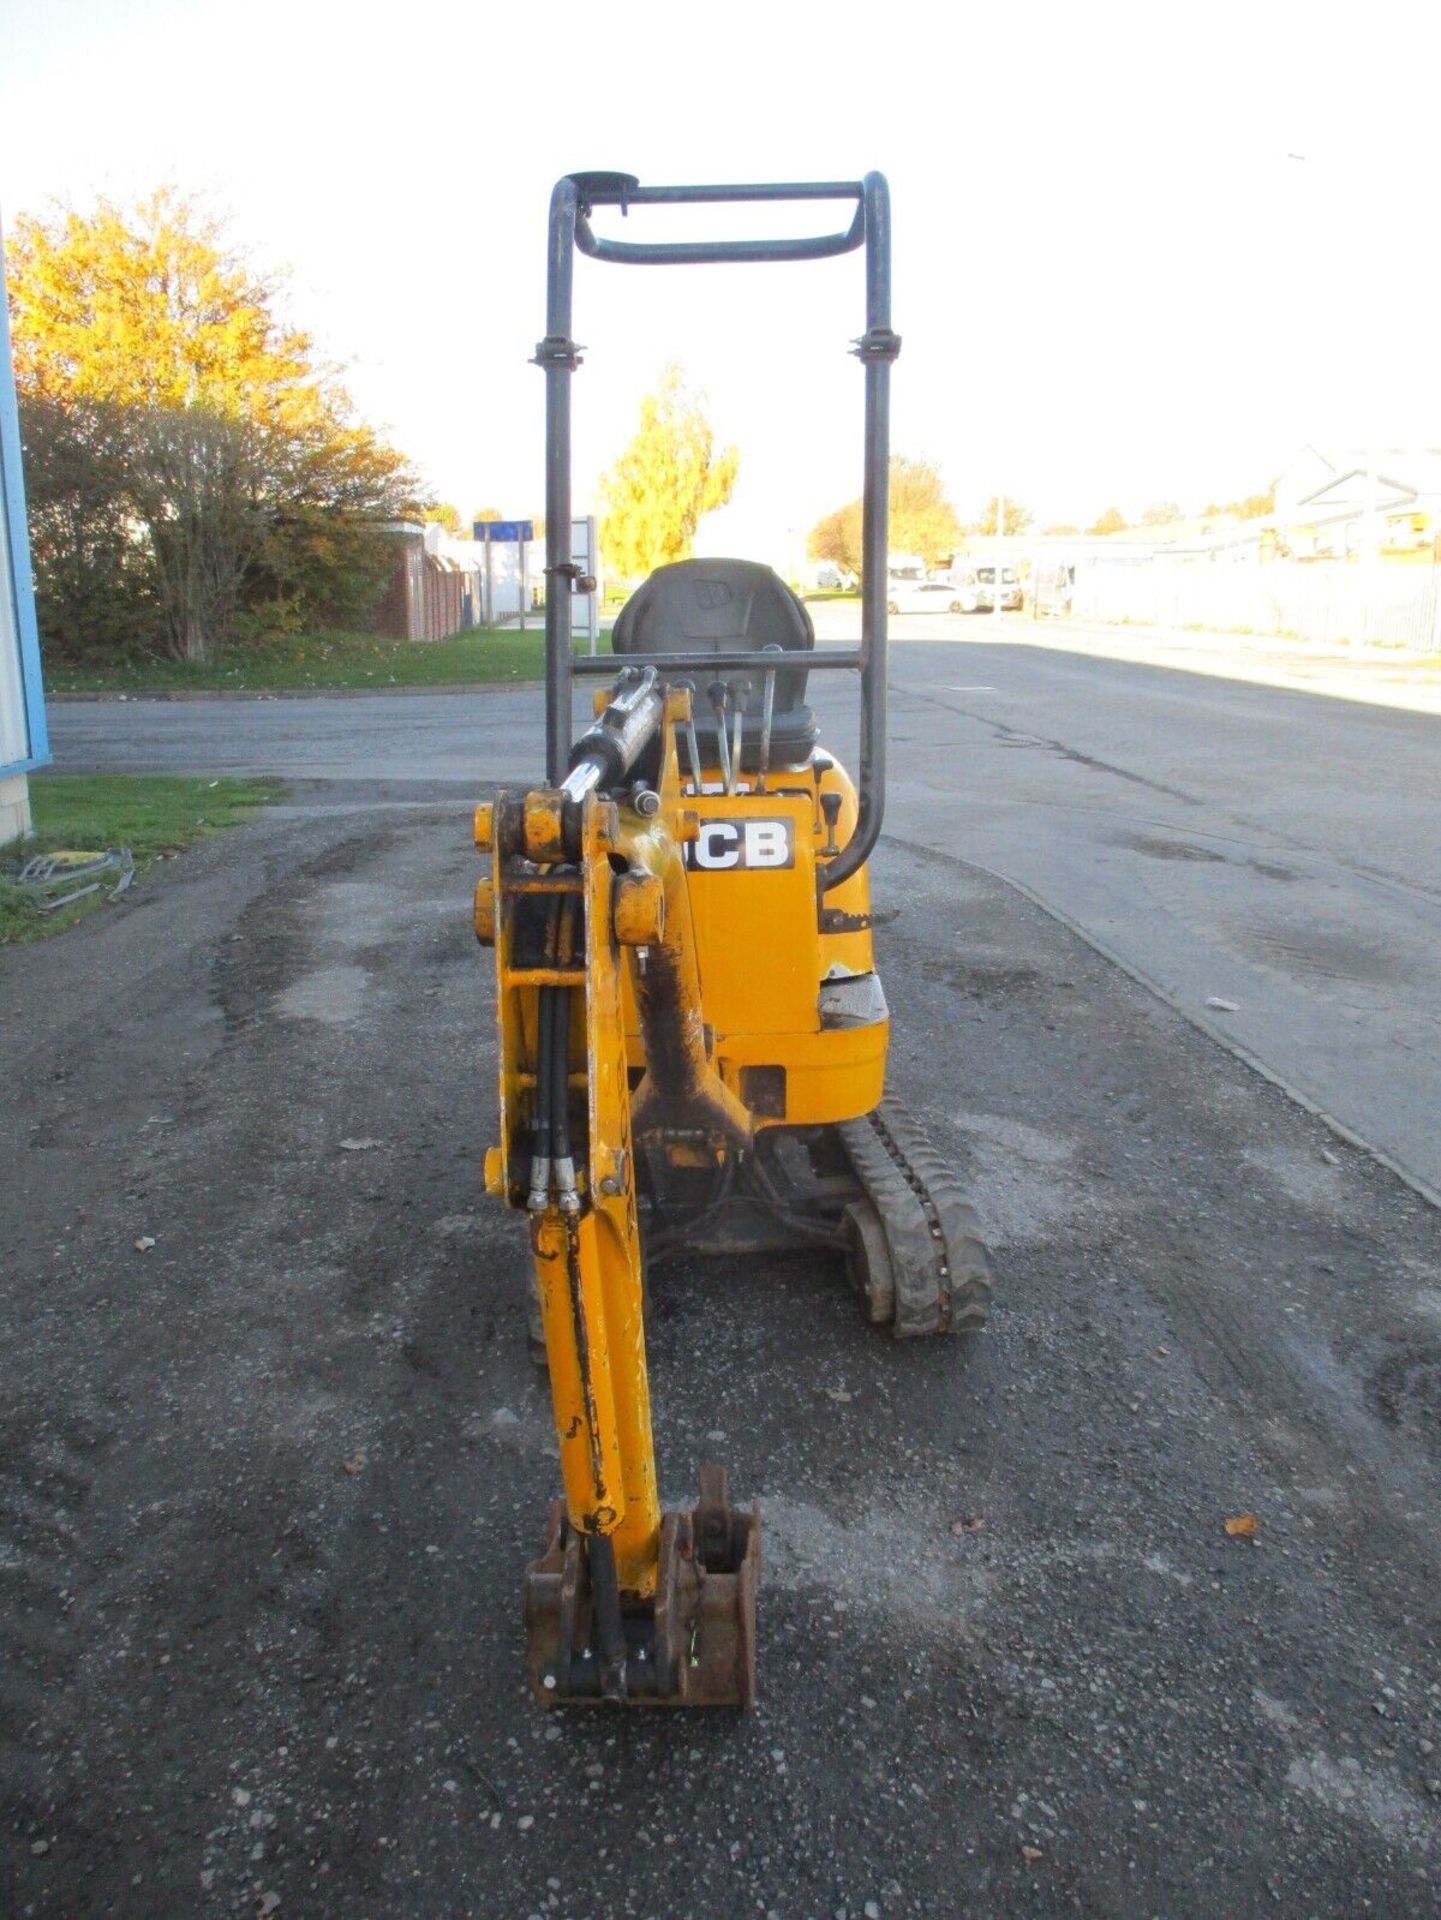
[928, 596]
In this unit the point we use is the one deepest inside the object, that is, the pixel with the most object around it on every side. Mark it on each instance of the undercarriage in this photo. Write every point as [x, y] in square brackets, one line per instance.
[873, 1192]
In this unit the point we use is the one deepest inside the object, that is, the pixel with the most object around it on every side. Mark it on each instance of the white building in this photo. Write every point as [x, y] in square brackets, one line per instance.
[1358, 500]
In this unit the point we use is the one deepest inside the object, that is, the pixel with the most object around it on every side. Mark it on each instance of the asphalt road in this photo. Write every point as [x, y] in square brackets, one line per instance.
[1275, 849]
[1270, 848]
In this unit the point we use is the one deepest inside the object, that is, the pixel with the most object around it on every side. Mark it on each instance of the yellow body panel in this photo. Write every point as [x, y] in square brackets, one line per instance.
[762, 959]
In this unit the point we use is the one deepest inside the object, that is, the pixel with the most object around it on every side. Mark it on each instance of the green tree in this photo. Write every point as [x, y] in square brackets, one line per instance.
[1165, 513]
[440, 513]
[1062, 529]
[1111, 521]
[332, 488]
[93, 582]
[671, 474]
[1018, 518]
[196, 483]
[196, 462]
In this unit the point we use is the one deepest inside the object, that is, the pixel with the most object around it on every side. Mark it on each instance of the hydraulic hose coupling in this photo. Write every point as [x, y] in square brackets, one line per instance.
[567, 1196]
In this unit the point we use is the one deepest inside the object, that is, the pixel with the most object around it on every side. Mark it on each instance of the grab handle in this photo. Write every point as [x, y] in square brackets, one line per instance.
[623, 190]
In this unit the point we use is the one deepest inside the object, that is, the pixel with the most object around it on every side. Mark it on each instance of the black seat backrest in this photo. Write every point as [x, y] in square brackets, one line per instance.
[719, 606]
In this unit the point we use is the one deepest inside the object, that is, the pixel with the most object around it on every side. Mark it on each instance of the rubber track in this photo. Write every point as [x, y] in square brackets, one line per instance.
[943, 1281]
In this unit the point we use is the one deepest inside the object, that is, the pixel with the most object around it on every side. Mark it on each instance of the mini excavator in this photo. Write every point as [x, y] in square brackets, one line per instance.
[692, 1032]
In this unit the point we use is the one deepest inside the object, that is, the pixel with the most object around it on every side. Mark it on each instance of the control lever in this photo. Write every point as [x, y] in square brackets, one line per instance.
[768, 708]
[717, 692]
[740, 690]
[821, 764]
[831, 808]
[692, 744]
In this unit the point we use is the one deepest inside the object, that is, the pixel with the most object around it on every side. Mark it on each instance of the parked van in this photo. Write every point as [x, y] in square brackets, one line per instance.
[905, 569]
[979, 579]
[1055, 588]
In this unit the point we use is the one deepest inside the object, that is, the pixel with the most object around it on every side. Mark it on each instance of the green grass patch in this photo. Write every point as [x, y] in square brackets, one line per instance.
[298, 663]
[155, 817]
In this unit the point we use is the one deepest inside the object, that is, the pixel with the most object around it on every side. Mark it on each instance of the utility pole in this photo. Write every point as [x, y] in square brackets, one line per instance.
[1373, 539]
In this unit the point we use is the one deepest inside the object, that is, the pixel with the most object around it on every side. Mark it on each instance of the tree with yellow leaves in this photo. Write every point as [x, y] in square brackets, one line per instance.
[838, 538]
[142, 307]
[922, 519]
[1018, 518]
[186, 457]
[667, 478]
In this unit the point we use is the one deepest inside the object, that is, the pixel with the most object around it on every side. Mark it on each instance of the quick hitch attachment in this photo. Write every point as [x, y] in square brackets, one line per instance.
[693, 1647]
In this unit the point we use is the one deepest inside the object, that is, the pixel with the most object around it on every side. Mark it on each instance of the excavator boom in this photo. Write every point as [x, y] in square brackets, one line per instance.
[624, 1604]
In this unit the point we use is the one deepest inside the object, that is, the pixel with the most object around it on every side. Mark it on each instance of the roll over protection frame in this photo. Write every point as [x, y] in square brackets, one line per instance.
[572, 202]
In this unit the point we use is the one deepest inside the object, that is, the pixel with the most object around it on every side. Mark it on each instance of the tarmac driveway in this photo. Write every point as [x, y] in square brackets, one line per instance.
[267, 1484]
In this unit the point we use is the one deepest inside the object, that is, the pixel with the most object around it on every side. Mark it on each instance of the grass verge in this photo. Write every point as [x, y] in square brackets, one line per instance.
[298, 663]
[155, 817]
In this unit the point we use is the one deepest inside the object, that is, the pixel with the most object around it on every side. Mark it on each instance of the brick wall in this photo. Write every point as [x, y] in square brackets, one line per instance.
[423, 600]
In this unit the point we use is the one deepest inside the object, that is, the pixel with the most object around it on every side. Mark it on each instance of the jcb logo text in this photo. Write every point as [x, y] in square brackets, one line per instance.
[726, 845]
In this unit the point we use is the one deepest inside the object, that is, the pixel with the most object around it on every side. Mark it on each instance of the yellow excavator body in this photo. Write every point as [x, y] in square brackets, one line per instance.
[692, 1033]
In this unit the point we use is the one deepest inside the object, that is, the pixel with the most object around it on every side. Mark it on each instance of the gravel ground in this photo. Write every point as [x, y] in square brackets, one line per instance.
[267, 1484]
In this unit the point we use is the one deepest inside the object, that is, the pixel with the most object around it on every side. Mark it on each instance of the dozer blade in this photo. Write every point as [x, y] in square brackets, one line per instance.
[916, 1256]
[692, 1645]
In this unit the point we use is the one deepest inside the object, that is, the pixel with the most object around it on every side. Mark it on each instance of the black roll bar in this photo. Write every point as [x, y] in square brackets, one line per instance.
[572, 201]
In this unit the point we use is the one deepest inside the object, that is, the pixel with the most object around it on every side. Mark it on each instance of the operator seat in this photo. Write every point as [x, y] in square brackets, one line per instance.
[728, 606]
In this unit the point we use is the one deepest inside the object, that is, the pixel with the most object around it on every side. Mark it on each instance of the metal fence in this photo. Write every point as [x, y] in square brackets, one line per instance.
[1325, 602]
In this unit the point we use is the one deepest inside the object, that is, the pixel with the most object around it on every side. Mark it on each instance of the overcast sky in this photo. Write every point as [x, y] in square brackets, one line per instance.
[1141, 253]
